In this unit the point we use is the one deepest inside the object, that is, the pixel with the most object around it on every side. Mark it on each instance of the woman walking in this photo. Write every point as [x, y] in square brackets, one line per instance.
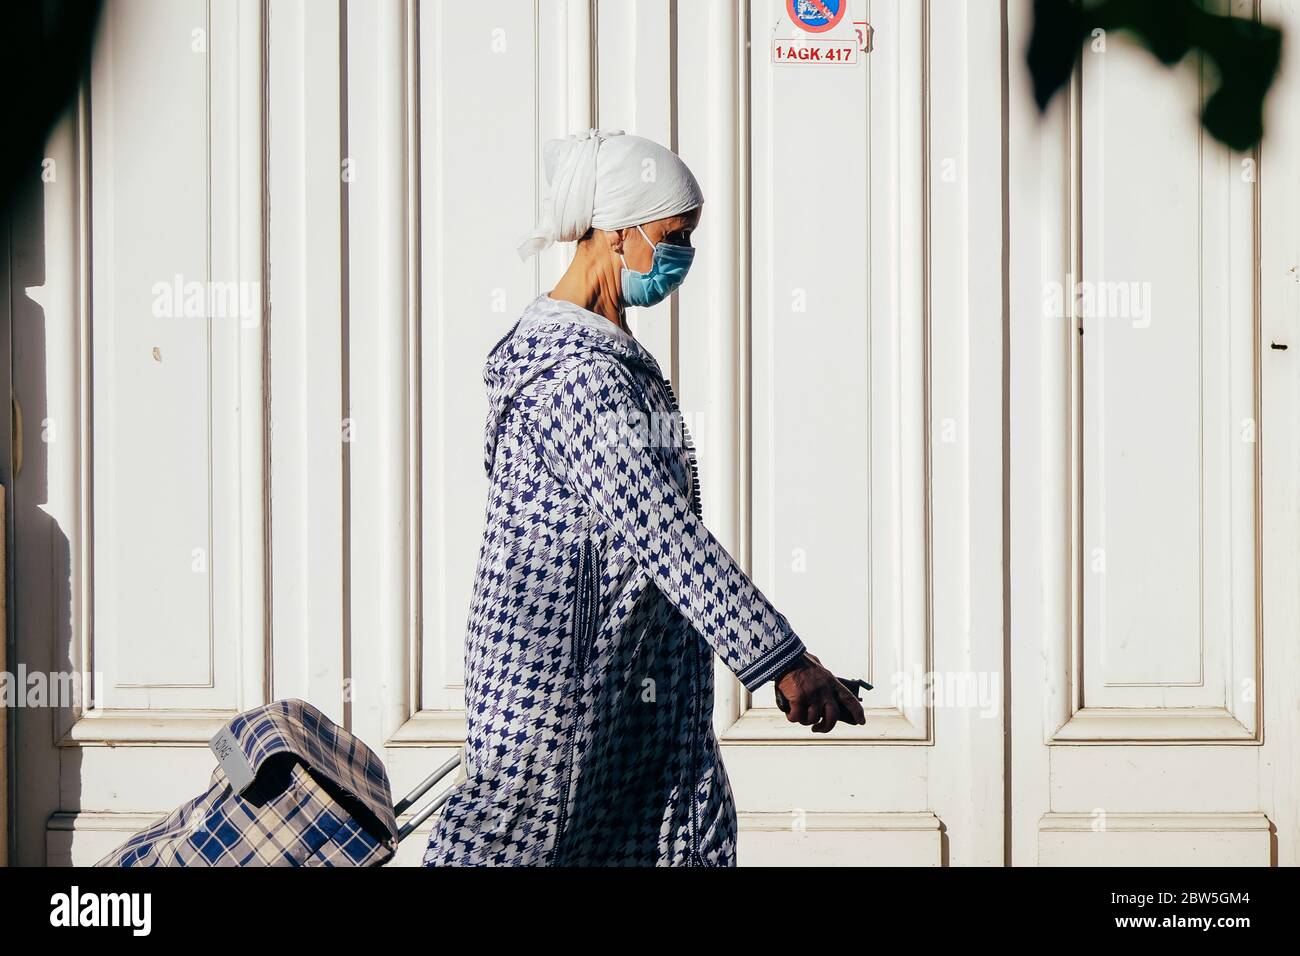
[600, 597]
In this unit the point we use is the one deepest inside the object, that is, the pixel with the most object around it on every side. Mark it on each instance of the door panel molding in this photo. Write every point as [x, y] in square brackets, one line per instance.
[1155, 839]
[890, 324]
[816, 838]
[1218, 703]
[554, 41]
[235, 674]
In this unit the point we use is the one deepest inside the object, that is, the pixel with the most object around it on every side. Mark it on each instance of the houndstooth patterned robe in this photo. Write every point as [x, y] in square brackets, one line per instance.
[600, 599]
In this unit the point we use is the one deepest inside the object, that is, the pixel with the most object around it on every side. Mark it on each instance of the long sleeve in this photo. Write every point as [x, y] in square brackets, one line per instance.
[633, 489]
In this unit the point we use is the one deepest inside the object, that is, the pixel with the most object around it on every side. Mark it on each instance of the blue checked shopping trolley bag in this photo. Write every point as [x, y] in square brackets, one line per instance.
[292, 789]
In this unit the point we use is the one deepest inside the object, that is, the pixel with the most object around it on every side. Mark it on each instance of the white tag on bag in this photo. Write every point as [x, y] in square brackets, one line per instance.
[231, 757]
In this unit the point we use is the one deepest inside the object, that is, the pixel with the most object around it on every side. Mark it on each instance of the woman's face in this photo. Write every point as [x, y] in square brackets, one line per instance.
[674, 230]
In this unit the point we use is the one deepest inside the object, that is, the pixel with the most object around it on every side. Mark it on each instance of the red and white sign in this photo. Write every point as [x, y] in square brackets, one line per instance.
[814, 51]
[816, 16]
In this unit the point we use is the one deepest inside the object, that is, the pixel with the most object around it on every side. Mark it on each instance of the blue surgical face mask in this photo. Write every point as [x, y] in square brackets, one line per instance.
[668, 267]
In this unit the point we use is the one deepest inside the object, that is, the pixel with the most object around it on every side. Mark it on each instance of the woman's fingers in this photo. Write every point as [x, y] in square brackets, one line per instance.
[852, 706]
[801, 712]
[818, 700]
[829, 715]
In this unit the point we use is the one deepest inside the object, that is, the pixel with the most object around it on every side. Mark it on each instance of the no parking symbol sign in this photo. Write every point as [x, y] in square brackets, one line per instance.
[816, 16]
[815, 39]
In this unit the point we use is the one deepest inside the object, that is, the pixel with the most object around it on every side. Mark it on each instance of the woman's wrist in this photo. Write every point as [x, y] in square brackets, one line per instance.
[796, 664]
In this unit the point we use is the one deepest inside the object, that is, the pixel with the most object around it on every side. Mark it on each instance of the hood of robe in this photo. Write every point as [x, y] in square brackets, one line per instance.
[548, 332]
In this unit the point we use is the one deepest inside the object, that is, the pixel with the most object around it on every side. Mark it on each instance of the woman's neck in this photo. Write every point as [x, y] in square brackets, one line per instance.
[593, 284]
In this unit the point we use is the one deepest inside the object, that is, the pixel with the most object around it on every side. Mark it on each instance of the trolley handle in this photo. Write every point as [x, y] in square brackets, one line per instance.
[424, 787]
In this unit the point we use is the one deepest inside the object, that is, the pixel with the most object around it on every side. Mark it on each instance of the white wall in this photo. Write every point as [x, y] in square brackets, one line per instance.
[917, 463]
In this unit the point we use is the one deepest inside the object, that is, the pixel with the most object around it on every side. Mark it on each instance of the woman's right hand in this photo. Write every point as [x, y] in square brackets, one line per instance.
[817, 698]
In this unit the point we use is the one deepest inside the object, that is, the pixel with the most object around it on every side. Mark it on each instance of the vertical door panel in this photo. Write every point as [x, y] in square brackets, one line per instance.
[164, 408]
[839, 377]
[492, 92]
[1168, 412]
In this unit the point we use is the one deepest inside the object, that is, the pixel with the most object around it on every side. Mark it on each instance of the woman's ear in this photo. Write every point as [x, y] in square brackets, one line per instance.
[615, 238]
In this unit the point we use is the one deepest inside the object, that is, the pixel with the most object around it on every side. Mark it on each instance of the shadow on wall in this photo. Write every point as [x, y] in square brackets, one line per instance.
[45, 50]
[41, 610]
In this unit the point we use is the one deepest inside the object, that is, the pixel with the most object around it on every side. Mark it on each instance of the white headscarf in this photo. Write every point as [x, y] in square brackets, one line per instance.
[609, 180]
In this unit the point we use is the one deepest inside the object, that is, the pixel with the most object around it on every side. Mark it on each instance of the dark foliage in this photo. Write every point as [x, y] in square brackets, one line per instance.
[1246, 53]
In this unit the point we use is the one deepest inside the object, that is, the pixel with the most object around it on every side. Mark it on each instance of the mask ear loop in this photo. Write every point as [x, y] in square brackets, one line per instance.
[625, 269]
[647, 242]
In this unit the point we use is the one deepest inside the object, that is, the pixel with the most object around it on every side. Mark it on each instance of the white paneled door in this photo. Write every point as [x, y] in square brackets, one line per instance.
[996, 408]
[1153, 442]
[140, 503]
